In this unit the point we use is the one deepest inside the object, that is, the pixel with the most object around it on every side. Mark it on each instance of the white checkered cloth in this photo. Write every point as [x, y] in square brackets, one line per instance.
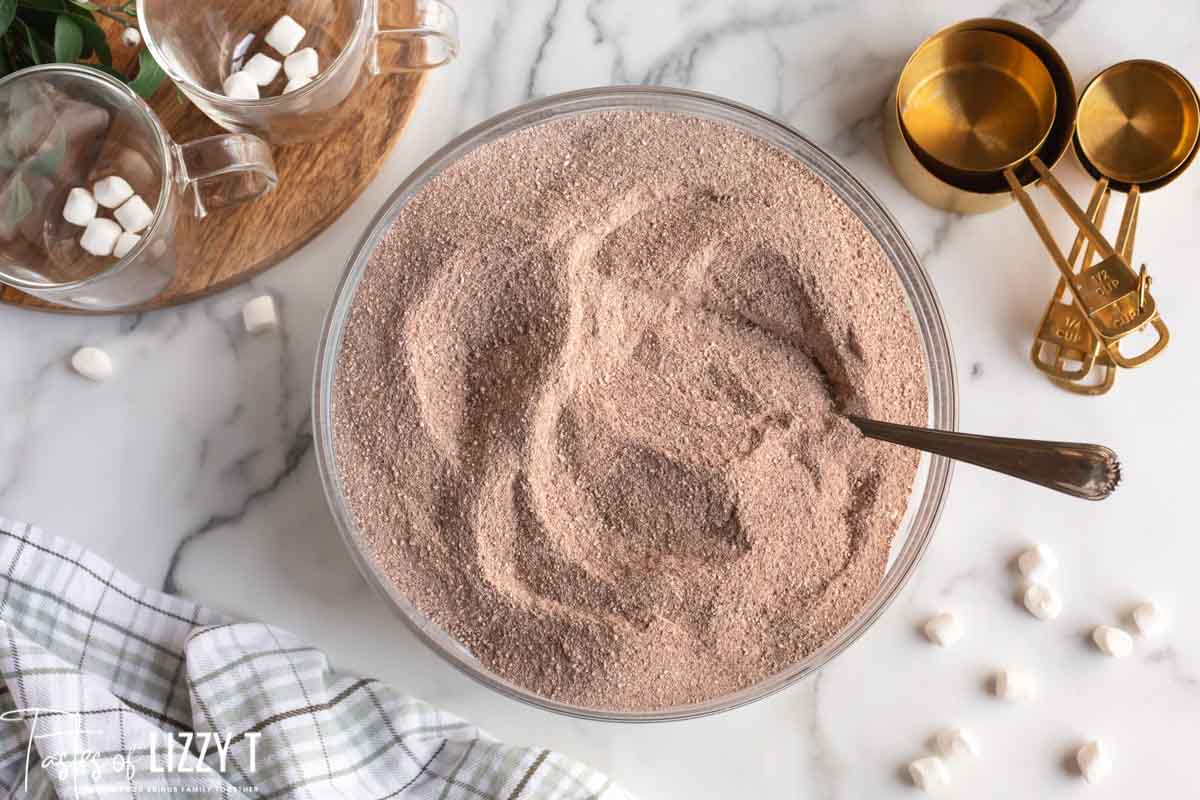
[130, 693]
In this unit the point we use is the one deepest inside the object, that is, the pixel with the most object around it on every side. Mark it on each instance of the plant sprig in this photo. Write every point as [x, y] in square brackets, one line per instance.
[47, 31]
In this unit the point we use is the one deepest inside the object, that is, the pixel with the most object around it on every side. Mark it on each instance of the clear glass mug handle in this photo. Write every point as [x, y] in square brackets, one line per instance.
[431, 41]
[225, 170]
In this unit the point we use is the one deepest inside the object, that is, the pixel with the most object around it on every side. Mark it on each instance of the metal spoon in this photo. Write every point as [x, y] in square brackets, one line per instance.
[1089, 471]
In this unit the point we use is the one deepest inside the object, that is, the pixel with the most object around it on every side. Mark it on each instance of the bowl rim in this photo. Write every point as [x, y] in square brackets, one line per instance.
[930, 488]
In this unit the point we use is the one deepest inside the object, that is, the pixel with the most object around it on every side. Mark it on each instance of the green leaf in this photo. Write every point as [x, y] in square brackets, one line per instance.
[31, 40]
[8, 12]
[12, 56]
[149, 75]
[83, 10]
[85, 17]
[40, 22]
[68, 39]
[94, 41]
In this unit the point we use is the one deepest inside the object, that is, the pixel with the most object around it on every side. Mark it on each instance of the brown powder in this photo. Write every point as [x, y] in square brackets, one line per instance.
[586, 408]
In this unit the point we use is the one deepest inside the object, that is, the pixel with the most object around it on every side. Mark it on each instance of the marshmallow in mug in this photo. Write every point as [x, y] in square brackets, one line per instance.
[125, 244]
[241, 86]
[300, 66]
[263, 69]
[304, 63]
[285, 35]
[112, 192]
[80, 208]
[296, 83]
[100, 236]
[135, 216]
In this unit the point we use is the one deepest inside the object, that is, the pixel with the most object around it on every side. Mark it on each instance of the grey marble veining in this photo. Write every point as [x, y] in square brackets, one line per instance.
[194, 469]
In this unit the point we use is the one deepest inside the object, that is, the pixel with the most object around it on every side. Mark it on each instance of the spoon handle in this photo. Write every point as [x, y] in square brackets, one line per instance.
[1089, 471]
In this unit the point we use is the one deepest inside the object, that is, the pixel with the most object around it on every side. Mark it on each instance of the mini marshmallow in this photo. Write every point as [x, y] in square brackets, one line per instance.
[92, 363]
[80, 208]
[112, 191]
[1094, 763]
[1150, 618]
[259, 315]
[929, 774]
[262, 68]
[241, 86]
[302, 64]
[296, 83]
[956, 743]
[135, 216]
[1016, 686]
[1042, 601]
[125, 244]
[285, 35]
[1037, 563]
[1112, 641]
[100, 236]
[943, 629]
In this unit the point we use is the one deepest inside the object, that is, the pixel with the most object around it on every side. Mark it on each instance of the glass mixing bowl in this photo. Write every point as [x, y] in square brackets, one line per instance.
[929, 491]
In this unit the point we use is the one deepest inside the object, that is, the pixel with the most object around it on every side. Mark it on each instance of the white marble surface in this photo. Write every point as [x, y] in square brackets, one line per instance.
[194, 467]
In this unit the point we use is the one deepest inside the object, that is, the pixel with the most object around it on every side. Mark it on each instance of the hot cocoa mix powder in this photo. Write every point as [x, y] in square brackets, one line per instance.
[586, 408]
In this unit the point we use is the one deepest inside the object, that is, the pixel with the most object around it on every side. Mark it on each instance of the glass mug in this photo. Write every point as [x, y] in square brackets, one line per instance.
[201, 44]
[64, 126]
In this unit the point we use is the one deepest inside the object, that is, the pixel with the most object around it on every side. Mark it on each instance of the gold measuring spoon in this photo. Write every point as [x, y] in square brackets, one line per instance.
[1115, 300]
[1098, 356]
[1088, 471]
[1064, 334]
[1138, 129]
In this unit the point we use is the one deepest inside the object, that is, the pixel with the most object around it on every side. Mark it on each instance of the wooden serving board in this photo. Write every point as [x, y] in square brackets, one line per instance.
[317, 182]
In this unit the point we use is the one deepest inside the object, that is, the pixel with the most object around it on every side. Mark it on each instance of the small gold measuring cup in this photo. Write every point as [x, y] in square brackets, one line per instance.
[1138, 125]
[974, 103]
[1138, 129]
[967, 191]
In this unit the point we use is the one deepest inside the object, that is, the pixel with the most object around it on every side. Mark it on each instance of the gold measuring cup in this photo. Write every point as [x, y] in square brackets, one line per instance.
[1115, 300]
[1138, 125]
[968, 191]
[975, 103]
[1138, 129]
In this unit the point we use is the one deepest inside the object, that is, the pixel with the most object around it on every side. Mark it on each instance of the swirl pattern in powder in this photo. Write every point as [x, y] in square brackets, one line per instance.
[587, 408]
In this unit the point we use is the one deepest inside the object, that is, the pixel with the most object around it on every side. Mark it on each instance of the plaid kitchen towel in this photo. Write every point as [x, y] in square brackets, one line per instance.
[112, 690]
